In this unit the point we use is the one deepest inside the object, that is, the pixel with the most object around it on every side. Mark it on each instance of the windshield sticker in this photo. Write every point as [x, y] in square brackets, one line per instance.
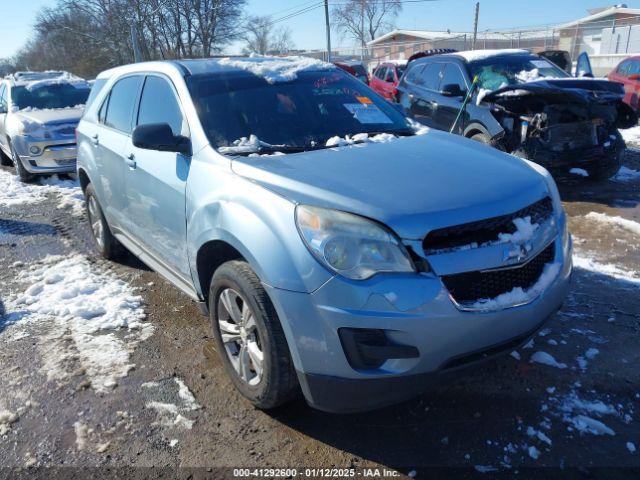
[365, 100]
[366, 114]
[541, 64]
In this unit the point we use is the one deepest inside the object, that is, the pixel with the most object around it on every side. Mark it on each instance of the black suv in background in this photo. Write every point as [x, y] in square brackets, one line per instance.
[523, 104]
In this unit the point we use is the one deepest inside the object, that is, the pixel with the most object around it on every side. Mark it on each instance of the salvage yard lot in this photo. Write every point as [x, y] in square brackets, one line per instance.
[108, 365]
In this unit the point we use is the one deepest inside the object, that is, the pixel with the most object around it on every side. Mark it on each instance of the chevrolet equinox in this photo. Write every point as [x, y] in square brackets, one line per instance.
[338, 247]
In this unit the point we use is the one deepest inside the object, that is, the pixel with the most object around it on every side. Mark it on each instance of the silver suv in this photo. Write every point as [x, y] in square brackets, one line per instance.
[39, 112]
[337, 247]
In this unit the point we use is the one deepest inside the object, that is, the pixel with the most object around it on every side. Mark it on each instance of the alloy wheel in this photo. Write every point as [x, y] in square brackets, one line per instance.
[95, 220]
[240, 336]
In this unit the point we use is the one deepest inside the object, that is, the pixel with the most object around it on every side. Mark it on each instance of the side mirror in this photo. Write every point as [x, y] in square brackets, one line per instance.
[160, 137]
[583, 66]
[452, 90]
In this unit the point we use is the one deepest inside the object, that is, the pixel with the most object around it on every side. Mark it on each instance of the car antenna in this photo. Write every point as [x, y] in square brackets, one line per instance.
[464, 104]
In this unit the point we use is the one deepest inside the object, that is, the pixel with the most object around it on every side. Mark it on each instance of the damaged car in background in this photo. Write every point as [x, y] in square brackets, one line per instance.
[39, 112]
[523, 104]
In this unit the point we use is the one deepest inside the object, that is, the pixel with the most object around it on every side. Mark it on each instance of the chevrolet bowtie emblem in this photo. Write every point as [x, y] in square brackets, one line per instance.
[516, 253]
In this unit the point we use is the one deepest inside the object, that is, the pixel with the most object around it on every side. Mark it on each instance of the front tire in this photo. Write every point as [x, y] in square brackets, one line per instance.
[23, 174]
[103, 240]
[249, 337]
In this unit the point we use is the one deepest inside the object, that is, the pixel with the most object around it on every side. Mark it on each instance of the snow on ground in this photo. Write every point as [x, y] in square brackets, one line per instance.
[547, 359]
[13, 192]
[79, 308]
[631, 135]
[276, 69]
[579, 171]
[626, 174]
[607, 269]
[7, 418]
[630, 225]
[173, 414]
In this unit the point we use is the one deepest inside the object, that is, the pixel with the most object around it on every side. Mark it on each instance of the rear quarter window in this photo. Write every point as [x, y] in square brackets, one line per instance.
[97, 87]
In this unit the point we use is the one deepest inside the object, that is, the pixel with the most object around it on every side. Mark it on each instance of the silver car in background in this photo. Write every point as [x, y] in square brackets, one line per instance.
[39, 112]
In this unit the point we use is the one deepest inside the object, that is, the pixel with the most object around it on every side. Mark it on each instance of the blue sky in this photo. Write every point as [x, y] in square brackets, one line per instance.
[308, 29]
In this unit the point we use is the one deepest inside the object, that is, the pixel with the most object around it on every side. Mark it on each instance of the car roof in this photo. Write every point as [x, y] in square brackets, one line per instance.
[259, 65]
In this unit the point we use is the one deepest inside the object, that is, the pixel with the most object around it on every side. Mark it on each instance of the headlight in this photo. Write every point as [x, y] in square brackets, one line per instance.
[351, 245]
[551, 186]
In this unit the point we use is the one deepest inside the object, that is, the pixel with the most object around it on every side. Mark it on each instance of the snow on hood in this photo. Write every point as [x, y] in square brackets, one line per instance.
[412, 184]
[37, 122]
[276, 69]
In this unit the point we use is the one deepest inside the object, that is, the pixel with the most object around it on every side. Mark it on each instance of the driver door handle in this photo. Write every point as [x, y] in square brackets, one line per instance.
[131, 161]
[95, 139]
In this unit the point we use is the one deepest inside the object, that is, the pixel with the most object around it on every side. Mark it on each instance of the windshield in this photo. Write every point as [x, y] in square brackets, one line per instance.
[61, 95]
[400, 69]
[302, 113]
[498, 72]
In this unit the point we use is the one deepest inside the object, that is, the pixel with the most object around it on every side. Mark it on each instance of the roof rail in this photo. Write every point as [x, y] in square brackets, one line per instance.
[431, 53]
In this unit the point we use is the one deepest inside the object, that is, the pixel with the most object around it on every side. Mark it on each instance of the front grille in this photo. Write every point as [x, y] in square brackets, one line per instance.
[470, 287]
[65, 161]
[484, 231]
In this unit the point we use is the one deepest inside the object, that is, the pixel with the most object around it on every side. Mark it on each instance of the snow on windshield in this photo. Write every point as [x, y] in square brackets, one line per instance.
[276, 69]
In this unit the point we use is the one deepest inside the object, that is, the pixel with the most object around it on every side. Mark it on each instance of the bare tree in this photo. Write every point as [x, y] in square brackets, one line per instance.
[364, 20]
[88, 36]
[260, 37]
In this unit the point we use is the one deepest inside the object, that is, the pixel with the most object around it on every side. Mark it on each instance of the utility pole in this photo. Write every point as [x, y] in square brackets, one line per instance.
[362, 29]
[137, 54]
[326, 16]
[475, 26]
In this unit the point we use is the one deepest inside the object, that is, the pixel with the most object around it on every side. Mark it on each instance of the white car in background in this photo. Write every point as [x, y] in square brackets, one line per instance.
[39, 112]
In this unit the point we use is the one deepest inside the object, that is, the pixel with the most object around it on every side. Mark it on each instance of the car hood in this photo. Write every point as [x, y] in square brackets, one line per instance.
[565, 90]
[50, 116]
[412, 184]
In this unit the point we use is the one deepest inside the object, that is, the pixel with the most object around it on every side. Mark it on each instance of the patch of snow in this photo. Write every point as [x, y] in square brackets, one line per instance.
[519, 295]
[606, 269]
[418, 128]
[630, 225]
[474, 55]
[532, 432]
[485, 468]
[185, 394]
[524, 231]
[516, 355]
[82, 307]
[585, 424]
[631, 447]
[82, 435]
[626, 174]
[7, 418]
[582, 363]
[591, 353]
[533, 452]
[276, 69]
[631, 135]
[359, 138]
[547, 359]
[173, 442]
[579, 171]
[13, 192]
[65, 78]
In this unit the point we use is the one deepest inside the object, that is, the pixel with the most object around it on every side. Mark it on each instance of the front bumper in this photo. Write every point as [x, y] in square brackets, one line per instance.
[55, 155]
[609, 151]
[413, 309]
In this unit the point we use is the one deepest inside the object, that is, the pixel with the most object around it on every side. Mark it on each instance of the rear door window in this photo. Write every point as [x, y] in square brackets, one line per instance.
[121, 102]
[414, 73]
[165, 111]
[430, 76]
[453, 76]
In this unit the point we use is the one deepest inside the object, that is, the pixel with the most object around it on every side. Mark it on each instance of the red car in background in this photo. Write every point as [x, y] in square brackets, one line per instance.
[356, 69]
[628, 74]
[385, 79]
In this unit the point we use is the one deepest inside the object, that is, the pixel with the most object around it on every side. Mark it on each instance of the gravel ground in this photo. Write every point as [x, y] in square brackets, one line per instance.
[151, 392]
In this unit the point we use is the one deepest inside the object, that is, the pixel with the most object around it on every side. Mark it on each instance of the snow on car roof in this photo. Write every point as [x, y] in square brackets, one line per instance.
[272, 69]
[473, 55]
[34, 80]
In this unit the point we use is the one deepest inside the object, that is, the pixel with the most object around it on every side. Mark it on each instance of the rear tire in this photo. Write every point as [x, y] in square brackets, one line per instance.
[103, 240]
[25, 177]
[254, 350]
